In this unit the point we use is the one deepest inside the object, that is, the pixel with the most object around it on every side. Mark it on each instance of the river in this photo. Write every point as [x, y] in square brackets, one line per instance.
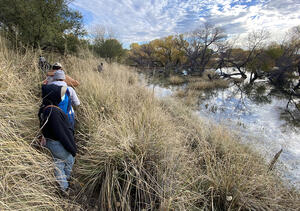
[259, 117]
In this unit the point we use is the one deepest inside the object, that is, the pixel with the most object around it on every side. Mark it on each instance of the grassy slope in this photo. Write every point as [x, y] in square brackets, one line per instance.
[136, 152]
[26, 180]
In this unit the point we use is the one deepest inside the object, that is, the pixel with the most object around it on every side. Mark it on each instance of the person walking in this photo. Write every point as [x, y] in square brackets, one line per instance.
[57, 134]
[68, 95]
[42, 63]
[57, 66]
[100, 67]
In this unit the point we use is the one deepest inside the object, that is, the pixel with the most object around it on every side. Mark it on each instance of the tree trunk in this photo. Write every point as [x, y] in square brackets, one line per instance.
[254, 77]
[242, 73]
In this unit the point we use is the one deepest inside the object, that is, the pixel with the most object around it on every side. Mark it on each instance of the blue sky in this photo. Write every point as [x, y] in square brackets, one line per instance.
[145, 20]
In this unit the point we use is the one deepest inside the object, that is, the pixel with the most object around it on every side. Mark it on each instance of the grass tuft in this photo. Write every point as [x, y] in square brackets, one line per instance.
[176, 80]
[205, 85]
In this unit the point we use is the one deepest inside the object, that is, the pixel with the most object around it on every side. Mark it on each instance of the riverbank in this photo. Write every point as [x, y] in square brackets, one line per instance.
[136, 151]
[257, 113]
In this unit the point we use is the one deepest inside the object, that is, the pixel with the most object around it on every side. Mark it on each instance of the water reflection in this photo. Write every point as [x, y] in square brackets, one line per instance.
[258, 114]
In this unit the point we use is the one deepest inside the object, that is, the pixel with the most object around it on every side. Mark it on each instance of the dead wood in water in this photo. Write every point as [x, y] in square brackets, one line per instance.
[273, 162]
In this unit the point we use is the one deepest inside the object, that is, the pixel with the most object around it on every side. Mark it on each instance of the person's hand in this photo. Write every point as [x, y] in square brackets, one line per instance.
[43, 141]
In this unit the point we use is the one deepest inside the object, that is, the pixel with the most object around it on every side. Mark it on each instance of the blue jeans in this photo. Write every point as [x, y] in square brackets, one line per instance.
[63, 161]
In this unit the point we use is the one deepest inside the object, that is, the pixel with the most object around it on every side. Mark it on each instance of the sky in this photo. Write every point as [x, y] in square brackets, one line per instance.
[144, 20]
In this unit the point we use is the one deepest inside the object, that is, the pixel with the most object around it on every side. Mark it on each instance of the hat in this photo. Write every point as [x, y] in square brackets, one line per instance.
[57, 64]
[59, 75]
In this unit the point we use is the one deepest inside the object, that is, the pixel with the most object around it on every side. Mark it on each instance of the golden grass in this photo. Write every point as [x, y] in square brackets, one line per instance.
[26, 174]
[228, 174]
[188, 97]
[205, 76]
[176, 80]
[205, 84]
[201, 83]
[125, 160]
[136, 152]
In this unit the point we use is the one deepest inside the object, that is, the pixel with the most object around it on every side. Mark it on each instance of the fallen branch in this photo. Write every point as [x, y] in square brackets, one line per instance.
[225, 75]
[273, 162]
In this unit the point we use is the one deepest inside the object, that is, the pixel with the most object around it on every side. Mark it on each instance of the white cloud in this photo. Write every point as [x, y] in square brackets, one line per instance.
[144, 20]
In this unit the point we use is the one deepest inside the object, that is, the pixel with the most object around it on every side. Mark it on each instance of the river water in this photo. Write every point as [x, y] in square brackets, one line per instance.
[258, 116]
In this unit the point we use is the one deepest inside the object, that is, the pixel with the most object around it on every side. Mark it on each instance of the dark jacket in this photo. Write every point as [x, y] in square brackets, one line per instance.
[54, 122]
[56, 126]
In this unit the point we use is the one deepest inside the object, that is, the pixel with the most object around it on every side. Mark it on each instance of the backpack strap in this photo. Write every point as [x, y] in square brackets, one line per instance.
[63, 91]
[52, 106]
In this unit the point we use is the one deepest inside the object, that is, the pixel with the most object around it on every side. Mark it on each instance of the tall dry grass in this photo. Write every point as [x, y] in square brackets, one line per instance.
[205, 85]
[139, 152]
[209, 80]
[231, 176]
[126, 160]
[176, 80]
[26, 174]
[135, 152]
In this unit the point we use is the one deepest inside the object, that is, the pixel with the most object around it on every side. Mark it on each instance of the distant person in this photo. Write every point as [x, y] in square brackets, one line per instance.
[57, 134]
[57, 66]
[42, 63]
[100, 67]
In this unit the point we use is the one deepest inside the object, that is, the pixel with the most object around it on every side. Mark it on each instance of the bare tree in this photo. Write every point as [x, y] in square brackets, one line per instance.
[100, 33]
[289, 61]
[239, 58]
[200, 45]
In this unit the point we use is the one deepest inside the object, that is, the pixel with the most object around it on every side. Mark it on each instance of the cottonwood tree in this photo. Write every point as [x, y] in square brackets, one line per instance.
[143, 55]
[148, 53]
[161, 53]
[135, 56]
[166, 53]
[193, 50]
[200, 45]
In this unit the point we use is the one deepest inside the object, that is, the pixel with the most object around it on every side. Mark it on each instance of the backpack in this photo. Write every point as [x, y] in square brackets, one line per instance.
[66, 105]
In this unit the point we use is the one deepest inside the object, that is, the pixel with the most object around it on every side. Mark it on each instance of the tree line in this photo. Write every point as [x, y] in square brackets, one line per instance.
[52, 26]
[208, 47]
